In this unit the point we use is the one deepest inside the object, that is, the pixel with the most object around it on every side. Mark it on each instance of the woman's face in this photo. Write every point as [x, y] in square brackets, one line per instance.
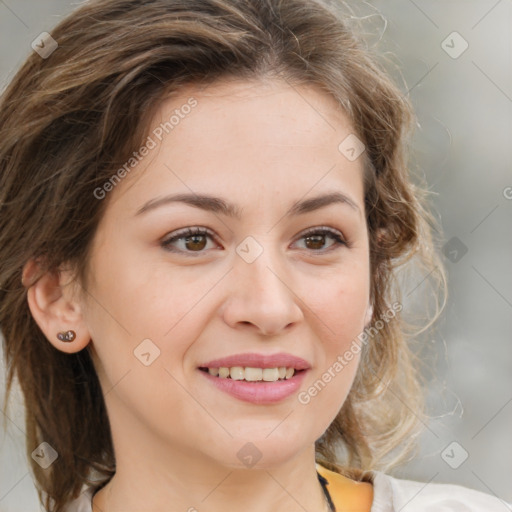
[251, 158]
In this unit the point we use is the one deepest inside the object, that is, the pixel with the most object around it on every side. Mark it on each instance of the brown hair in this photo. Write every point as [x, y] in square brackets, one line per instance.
[68, 120]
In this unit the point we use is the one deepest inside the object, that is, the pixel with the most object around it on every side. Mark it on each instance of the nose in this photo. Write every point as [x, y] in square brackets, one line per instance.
[262, 297]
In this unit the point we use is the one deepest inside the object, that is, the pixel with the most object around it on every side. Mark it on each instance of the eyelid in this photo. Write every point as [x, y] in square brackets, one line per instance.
[328, 229]
[186, 232]
[192, 229]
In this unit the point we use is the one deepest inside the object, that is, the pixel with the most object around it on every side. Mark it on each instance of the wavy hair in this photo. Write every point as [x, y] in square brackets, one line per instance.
[68, 120]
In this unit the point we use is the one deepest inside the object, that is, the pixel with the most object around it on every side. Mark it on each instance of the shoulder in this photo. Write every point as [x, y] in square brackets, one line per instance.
[391, 494]
[83, 503]
[347, 494]
[410, 495]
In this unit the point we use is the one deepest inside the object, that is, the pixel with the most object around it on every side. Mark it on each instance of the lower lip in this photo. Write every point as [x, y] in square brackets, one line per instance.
[258, 392]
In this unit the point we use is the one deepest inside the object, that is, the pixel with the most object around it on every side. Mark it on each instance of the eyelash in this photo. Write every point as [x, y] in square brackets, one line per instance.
[189, 232]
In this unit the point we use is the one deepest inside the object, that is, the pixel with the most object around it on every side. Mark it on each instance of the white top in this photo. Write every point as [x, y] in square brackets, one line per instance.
[390, 495]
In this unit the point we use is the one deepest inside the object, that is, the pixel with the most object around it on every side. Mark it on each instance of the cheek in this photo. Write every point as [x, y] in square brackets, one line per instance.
[139, 308]
[340, 304]
[339, 307]
[142, 321]
[142, 299]
[324, 395]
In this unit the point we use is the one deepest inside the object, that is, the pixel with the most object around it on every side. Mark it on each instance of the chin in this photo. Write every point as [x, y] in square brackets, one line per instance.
[261, 452]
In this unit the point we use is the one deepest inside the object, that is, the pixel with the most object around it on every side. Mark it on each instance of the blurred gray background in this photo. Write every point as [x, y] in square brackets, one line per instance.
[455, 60]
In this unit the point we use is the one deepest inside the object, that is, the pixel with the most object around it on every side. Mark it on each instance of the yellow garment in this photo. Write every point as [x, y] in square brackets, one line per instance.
[346, 494]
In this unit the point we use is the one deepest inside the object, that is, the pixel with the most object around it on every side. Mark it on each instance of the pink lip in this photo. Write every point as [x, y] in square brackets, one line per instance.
[252, 359]
[257, 392]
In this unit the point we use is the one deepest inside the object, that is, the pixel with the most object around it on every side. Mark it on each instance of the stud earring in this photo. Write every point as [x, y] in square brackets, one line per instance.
[66, 335]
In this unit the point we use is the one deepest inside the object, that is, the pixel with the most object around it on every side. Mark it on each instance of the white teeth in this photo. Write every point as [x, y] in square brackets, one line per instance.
[252, 374]
[270, 374]
[223, 372]
[236, 373]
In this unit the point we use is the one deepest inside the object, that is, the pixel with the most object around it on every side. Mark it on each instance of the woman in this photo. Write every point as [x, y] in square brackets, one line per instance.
[203, 206]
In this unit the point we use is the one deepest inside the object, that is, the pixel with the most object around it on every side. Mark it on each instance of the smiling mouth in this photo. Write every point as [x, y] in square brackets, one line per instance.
[251, 374]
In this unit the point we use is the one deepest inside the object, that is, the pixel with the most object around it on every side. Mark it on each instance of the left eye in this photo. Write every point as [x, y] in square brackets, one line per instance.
[195, 239]
[317, 237]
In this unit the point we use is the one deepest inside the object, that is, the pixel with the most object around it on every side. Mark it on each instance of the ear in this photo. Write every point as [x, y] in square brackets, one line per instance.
[369, 315]
[55, 307]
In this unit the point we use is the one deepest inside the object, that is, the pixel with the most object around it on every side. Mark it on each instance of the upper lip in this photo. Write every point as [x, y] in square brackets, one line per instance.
[254, 360]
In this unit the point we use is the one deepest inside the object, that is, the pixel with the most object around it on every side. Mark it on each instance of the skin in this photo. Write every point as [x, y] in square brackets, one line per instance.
[262, 145]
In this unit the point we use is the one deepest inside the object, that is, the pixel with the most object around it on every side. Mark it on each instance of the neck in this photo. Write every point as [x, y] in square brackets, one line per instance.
[279, 488]
[153, 473]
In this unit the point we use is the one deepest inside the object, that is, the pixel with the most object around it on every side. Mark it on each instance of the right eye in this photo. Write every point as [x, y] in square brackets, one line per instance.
[193, 240]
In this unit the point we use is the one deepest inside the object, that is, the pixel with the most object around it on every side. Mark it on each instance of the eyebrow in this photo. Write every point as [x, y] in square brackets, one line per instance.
[221, 206]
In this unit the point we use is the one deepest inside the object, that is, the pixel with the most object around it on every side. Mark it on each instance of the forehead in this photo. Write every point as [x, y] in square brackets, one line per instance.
[256, 110]
[239, 138]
